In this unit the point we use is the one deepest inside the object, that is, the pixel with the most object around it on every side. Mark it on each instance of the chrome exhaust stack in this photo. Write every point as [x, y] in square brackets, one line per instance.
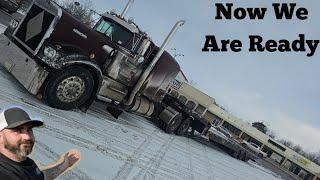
[125, 10]
[146, 73]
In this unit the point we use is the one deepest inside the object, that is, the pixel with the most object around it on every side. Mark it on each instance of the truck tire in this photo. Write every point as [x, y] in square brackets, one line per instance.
[235, 154]
[260, 155]
[244, 156]
[184, 126]
[240, 155]
[247, 158]
[173, 125]
[68, 88]
[191, 131]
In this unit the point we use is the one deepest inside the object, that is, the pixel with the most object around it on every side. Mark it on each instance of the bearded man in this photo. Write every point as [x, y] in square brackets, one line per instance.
[17, 142]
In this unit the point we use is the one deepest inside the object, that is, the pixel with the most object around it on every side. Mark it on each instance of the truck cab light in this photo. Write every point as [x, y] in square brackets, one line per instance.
[49, 52]
[13, 23]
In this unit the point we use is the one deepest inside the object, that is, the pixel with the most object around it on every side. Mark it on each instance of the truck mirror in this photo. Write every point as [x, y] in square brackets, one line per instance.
[140, 59]
[107, 49]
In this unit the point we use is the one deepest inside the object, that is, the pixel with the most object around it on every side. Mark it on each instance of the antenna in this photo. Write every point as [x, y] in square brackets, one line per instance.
[175, 54]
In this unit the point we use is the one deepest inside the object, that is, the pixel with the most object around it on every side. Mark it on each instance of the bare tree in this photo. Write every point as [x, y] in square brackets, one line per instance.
[260, 126]
[81, 10]
[286, 143]
[271, 134]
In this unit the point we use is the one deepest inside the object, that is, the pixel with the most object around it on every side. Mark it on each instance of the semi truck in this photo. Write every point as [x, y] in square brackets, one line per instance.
[69, 64]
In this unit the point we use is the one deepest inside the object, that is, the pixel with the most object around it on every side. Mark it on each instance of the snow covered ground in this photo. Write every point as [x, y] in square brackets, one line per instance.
[126, 148]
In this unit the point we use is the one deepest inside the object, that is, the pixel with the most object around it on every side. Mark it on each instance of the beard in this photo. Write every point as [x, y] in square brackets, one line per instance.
[21, 149]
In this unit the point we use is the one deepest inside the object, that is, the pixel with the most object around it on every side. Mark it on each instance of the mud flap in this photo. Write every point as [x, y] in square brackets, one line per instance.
[114, 111]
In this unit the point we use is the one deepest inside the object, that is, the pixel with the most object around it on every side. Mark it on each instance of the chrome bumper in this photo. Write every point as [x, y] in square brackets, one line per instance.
[21, 66]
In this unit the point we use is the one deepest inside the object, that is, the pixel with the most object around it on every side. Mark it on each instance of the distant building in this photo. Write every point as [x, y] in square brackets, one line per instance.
[181, 77]
[277, 153]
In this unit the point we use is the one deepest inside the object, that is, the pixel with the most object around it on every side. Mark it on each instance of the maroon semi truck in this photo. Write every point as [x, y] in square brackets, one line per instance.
[69, 64]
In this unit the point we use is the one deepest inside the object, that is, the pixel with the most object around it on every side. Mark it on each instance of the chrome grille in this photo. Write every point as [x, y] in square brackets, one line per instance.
[34, 27]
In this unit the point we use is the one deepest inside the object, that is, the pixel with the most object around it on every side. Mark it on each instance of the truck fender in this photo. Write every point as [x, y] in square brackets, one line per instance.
[94, 68]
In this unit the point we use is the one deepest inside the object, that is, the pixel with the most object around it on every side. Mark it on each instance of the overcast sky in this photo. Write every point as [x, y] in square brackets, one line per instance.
[280, 89]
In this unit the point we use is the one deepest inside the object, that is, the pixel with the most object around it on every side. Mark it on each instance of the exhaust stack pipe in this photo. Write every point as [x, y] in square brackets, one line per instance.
[154, 61]
[125, 10]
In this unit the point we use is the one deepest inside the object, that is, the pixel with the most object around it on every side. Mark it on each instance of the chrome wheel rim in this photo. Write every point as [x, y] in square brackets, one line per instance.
[70, 89]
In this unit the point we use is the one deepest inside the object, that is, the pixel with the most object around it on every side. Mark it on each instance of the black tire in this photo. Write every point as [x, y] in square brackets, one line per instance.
[235, 154]
[260, 155]
[247, 158]
[244, 156]
[184, 126]
[173, 125]
[240, 155]
[191, 131]
[80, 79]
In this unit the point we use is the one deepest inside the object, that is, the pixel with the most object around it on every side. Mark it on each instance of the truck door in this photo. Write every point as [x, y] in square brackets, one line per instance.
[125, 64]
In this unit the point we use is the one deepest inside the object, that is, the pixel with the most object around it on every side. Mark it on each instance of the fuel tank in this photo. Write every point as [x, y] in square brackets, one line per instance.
[164, 71]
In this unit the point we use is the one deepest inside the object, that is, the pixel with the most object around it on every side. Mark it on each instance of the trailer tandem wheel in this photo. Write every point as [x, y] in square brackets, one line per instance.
[184, 126]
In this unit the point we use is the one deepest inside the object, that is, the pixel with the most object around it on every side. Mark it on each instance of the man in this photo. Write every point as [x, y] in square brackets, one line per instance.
[16, 143]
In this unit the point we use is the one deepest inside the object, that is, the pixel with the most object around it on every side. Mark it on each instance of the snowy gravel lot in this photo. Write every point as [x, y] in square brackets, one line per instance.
[126, 148]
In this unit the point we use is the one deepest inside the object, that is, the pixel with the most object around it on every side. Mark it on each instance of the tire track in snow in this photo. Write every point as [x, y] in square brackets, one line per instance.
[190, 165]
[125, 170]
[81, 142]
[154, 163]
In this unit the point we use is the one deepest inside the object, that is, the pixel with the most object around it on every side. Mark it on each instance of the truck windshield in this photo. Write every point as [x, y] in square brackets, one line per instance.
[116, 32]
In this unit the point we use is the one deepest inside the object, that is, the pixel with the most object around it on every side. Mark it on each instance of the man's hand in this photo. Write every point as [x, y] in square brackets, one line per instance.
[66, 162]
[70, 158]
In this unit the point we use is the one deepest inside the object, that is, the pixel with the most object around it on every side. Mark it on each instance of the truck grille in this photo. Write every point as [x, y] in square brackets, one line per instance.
[34, 27]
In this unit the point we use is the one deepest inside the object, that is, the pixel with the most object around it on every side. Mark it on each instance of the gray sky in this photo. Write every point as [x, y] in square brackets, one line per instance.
[280, 89]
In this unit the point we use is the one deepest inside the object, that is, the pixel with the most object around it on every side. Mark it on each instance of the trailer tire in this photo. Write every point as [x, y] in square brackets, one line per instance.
[247, 158]
[183, 127]
[244, 156]
[173, 124]
[235, 154]
[239, 156]
[68, 88]
[191, 131]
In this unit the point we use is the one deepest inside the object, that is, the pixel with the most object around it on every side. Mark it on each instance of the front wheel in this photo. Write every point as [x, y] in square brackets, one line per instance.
[68, 88]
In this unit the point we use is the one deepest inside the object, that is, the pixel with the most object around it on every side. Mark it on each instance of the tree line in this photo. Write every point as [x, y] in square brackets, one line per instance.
[312, 156]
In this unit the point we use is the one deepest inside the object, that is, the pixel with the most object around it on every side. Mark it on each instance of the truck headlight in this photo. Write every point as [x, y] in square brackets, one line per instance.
[13, 23]
[49, 52]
